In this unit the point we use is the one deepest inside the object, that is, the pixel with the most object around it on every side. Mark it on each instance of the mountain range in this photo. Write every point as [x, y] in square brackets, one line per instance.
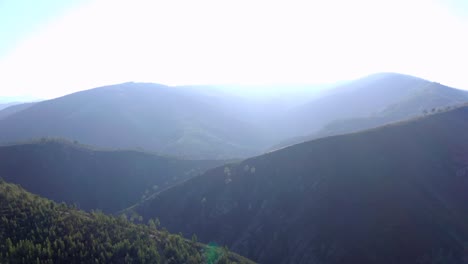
[412, 97]
[206, 122]
[179, 122]
[394, 194]
[373, 170]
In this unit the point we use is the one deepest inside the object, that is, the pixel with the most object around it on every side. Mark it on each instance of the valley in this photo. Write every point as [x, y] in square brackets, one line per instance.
[364, 171]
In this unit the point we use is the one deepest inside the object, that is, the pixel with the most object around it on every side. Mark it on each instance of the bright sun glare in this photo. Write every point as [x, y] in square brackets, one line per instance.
[237, 42]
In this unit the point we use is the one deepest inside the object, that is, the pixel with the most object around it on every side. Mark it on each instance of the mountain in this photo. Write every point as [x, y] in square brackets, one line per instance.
[109, 180]
[169, 120]
[13, 108]
[18, 99]
[5, 105]
[37, 230]
[394, 194]
[8, 101]
[370, 102]
[221, 122]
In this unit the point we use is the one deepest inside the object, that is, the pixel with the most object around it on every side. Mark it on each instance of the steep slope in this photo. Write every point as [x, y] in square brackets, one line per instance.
[392, 95]
[395, 194]
[169, 120]
[93, 179]
[36, 230]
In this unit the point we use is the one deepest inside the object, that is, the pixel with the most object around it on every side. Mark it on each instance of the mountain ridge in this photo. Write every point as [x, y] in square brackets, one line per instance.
[393, 194]
[210, 122]
[156, 117]
[109, 180]
[419, 100]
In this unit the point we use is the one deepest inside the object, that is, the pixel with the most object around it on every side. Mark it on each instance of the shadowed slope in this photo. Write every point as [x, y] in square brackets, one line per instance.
[395, 194]
[93, 179]
[37, 230]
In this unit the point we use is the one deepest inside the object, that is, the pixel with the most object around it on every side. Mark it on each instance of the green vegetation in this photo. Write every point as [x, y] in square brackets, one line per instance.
[395, 193]
[37, 230]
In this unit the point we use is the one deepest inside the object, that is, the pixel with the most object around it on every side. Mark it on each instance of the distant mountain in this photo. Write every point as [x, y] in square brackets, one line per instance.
[93, 179]
[5, 105]
[371, 102]
[37, 230]
[394, 194]
[174, 121]
[222, 122]
[13, 108]
[7, 101]
[18, 99]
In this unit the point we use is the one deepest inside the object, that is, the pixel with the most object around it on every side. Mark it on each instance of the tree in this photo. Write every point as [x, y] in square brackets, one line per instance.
[152, 224]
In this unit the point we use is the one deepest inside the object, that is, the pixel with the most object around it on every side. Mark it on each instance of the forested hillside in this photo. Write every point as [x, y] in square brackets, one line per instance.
[110, 180]
[394, 194]
[37, 230]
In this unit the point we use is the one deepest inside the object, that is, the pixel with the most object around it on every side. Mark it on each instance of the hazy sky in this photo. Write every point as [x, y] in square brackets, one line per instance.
[53, 47]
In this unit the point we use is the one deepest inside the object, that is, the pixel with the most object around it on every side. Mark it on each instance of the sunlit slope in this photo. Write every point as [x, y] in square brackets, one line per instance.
[395, 194]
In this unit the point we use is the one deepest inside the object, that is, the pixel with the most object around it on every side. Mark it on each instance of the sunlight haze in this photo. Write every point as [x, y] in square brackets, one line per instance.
[179, 42]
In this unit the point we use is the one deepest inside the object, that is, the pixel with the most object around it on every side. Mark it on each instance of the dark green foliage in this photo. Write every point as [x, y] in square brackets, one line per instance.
[395, 194]
[90, 178]
[36, 230]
